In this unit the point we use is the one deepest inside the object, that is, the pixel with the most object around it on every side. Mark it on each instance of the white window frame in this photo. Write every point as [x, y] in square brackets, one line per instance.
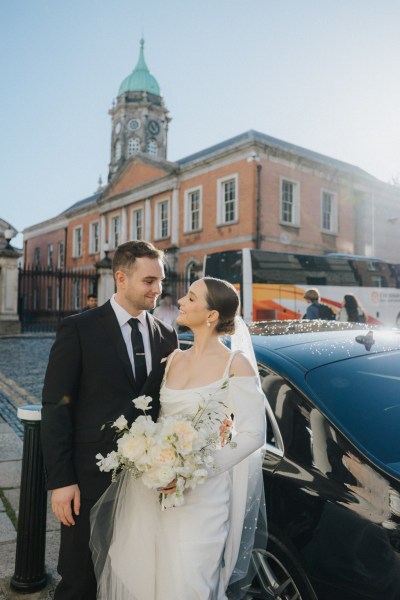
[117, 151]
[36, 256]
[159, 234]
[295, 220]
[137, 231]
[115, 231]
[94, 239]
[77, 242]
[50, 256]
[188, 228]
[152, 147]
[133, 146]
[333, 228]
[221, 203]
[76, 294]
[60, 255]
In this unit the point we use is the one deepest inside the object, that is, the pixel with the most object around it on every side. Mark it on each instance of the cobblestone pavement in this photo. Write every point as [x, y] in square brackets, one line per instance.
[23, 361]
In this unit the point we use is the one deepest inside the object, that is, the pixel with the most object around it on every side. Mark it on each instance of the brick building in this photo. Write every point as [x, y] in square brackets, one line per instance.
[249, 191]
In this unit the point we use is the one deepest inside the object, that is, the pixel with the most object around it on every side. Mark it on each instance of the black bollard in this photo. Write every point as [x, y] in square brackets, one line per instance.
[30, 575]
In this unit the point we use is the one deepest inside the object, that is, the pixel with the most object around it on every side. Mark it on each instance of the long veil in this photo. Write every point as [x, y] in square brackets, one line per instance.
[248, 510]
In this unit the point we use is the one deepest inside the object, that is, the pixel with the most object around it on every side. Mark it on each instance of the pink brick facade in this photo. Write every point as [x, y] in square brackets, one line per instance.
[222, 183]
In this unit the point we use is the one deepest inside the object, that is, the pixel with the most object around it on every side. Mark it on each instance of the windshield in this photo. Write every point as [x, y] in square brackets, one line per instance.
[362, 396]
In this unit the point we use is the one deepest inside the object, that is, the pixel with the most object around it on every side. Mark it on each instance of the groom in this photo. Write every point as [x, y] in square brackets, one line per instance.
[91, 379]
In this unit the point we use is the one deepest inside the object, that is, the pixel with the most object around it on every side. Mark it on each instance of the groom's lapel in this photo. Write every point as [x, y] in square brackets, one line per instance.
[155, 343]
[110, 323]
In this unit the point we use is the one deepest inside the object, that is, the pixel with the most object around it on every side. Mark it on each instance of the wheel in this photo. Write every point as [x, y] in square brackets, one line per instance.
[279, 575]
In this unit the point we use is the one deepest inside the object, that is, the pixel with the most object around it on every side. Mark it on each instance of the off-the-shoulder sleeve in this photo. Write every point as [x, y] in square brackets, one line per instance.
[248, 404]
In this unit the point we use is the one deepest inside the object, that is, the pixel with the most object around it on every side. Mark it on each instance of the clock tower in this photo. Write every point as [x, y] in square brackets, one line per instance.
[139, 118]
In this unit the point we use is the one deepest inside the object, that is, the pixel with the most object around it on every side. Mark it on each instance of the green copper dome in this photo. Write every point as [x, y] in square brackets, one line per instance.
[140, 80]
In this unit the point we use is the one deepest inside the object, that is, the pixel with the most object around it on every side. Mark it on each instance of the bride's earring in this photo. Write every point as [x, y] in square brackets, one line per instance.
[208, 323]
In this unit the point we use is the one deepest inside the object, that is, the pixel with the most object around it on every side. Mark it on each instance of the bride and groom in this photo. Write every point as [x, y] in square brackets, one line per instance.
[140, 552]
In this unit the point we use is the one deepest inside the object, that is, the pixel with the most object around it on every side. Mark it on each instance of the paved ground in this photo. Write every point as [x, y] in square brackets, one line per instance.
[23, 361]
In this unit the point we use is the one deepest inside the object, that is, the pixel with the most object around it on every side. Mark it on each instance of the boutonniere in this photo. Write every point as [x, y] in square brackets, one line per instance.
[163, 360]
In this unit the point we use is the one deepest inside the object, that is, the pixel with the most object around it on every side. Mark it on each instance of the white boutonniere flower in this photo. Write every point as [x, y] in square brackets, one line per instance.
[163, 360]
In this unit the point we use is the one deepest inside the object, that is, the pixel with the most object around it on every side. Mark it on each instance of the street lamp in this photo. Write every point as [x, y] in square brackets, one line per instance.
[8, 234]
[106, 249]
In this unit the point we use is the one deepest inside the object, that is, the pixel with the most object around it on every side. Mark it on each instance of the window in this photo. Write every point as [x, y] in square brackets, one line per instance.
[133, 146]
[152, 148]
[193, 210]
[115, 231]
[77, 242]
[117, 151]
[378, 281]
[50, 256]
[162, 220]
[77, 294]
[329, 212]
[193, 271]
[137, 224]
[290, 214]
[36, 257]
[60, 255]
[94, 241]
[227, 200]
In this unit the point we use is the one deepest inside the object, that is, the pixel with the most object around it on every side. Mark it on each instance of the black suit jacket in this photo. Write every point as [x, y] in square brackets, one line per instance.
[89, 382]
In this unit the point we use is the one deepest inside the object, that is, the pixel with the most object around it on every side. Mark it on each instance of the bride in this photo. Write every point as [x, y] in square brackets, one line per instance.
[194, 551]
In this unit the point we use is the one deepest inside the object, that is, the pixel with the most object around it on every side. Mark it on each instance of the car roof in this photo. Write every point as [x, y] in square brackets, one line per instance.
[305, 346]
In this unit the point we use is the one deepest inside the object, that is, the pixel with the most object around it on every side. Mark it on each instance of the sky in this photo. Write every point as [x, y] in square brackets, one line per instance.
[322, 74]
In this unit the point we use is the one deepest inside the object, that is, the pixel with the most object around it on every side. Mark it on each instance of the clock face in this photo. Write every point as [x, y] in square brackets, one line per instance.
[134, 124]
[153, 127]
[118, 128]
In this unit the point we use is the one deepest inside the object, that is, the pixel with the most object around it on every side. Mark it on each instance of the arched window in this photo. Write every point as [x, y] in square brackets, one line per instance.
[133, 146]
[117, 151]
[152, 147]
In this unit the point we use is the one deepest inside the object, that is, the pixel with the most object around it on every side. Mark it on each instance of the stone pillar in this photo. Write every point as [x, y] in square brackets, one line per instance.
[9, 320]
[105, 284]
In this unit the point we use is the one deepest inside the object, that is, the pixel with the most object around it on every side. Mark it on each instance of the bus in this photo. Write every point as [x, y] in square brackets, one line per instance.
[272, 284]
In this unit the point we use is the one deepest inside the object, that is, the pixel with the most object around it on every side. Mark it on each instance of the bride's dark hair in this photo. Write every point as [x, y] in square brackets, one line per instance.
[222, 296]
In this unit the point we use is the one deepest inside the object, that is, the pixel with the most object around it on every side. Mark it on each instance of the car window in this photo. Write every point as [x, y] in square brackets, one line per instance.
[362, 397]
[292, 415]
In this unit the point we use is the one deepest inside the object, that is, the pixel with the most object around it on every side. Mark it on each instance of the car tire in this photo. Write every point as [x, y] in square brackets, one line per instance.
[280, 576]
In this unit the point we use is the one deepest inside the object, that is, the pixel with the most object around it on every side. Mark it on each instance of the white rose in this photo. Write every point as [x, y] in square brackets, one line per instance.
[164, 475]
[186, 435]
[143, 425]
[162, 456]
[132, 448]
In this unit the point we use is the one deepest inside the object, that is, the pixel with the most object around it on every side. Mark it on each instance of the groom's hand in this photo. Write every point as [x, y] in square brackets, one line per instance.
[63, 500]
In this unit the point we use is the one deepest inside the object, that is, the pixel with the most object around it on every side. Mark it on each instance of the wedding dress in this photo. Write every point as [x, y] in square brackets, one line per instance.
[141, 552]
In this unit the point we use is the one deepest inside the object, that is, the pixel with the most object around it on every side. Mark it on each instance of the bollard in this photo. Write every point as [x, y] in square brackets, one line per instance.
[30, 575]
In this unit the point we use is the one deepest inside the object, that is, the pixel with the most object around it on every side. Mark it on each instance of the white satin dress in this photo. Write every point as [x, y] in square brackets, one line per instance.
[186, 552]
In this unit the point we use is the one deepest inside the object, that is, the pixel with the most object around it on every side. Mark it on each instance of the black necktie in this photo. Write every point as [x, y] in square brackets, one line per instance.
[138, 353]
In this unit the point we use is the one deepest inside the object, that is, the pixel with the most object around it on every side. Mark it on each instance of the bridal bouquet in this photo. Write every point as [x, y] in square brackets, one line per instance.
[174, 449]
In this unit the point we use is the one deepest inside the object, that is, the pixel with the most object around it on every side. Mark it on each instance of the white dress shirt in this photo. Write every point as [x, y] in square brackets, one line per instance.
[123, 317]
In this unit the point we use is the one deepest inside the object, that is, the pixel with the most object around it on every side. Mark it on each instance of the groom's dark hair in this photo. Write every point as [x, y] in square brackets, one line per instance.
[127, 253]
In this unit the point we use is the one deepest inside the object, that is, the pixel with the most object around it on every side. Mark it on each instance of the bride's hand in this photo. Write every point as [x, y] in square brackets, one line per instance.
[225, 431]
[168, 489]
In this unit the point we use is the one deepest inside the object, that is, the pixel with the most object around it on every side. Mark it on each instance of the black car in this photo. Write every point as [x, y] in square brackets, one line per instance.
[332, 462]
